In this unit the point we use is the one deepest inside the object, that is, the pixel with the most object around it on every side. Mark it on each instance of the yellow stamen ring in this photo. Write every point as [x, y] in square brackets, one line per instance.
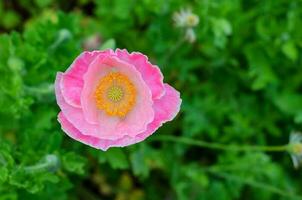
[115, 94]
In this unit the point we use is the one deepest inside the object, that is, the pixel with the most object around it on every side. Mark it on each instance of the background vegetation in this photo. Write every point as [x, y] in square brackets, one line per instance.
[240, 81]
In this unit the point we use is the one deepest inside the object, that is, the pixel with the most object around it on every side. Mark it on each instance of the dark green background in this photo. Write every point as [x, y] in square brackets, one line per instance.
[241, 84]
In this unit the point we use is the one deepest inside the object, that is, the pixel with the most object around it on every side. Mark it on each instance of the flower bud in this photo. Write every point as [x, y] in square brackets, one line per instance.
[295, 148]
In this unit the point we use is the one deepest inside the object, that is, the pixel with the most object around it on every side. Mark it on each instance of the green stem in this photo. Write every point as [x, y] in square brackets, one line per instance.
[49, 163]
[63, 36]
[255, 184]
[219, 146]
[41, 90]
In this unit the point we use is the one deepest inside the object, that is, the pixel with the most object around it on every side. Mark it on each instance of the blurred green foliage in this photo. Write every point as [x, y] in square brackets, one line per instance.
[241, 83]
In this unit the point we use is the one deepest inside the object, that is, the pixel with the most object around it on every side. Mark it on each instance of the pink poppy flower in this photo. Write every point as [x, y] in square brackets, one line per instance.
[113, 99]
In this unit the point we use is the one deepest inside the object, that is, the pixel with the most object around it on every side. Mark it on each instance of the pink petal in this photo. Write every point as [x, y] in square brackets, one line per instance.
[74, 114]
[136, 120]
[80, 65]
[72, 81]
[165, 108]
[151, 73]
[165, 111]
[94, 142]
[71, 90]
[74, 133]
[96, 71]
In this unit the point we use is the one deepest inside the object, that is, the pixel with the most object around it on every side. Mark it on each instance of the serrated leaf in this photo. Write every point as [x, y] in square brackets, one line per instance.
[3, 174]
[73, 162]
[260, 70]
[117, 158]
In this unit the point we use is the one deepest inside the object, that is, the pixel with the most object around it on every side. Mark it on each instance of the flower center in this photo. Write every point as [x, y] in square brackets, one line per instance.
[192, 20]
[297, 148]
[115, 94]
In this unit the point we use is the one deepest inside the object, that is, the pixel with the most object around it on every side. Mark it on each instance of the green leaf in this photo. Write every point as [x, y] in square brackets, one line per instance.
[195, 174]
[260, 70]
[139, 163]
[73, 162]
[117, 158]
[10, 19]
[290, 103]
[43, 3]
[8, 196]
[32, 182]
[289, 49]
[3, 174]
[108, 44]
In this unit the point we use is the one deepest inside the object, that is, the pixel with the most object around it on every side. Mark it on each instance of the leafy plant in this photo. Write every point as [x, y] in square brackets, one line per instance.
[240, 82]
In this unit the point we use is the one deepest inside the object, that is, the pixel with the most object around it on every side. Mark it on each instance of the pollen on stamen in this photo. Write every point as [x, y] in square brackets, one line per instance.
[115, 94]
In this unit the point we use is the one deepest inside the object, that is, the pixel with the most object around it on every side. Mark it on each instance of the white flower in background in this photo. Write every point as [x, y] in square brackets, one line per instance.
[190, 35]
[92, 42]
[187, 20]
[295, 148]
